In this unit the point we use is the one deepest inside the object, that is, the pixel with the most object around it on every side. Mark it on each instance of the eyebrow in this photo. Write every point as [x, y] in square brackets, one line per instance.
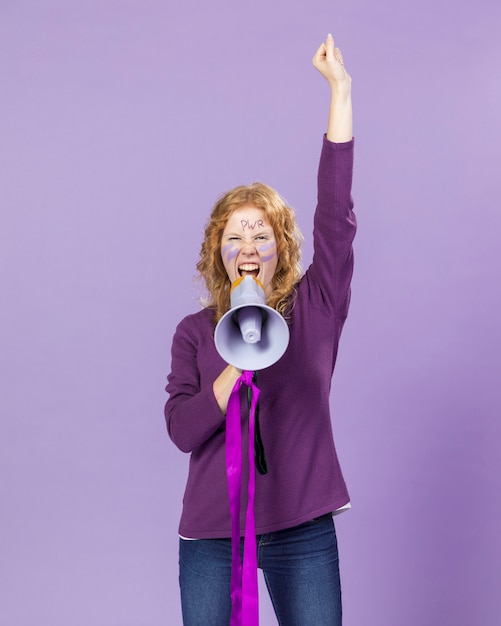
[263, 230]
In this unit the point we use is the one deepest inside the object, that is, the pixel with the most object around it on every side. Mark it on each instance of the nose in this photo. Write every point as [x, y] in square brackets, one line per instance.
[248, 248]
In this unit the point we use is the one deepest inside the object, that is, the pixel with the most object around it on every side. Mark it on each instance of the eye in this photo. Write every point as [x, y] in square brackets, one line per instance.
[262, 237]
[234, 238]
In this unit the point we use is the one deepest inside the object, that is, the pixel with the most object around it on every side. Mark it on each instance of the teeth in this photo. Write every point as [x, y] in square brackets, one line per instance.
[248, 267]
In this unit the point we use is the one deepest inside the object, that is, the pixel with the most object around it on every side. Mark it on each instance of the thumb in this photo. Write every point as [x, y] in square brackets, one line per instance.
[330, 47]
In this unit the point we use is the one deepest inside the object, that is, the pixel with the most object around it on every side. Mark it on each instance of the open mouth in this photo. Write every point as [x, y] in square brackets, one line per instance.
[248, 269]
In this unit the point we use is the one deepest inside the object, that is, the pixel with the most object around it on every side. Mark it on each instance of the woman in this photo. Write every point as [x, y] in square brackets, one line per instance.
[299, 485]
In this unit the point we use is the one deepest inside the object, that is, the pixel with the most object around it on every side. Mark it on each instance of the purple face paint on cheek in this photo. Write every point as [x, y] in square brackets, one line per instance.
[265, 248]
[229, 252]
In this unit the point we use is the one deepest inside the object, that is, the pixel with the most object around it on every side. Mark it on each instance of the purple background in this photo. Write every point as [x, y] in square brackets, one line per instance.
[120, 122]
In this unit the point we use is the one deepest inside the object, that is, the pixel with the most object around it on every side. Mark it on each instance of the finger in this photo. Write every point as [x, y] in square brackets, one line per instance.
[329, 46]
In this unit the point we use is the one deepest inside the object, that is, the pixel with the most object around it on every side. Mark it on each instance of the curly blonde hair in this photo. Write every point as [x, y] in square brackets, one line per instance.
[287, 234]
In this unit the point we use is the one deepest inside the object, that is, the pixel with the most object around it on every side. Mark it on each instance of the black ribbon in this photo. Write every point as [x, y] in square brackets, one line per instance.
[259, 456]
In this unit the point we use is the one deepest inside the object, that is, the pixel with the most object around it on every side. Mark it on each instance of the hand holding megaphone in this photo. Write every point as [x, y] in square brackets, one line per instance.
[251, 335]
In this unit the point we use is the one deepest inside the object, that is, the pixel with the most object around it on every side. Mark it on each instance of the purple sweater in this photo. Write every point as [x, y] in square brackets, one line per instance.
[304, 479]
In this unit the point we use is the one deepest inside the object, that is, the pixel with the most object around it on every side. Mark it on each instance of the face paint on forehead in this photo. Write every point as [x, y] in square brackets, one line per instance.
[251, 224]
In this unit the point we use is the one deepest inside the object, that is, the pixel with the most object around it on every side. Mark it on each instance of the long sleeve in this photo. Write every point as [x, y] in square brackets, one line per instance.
[330, 273]
[191, 413]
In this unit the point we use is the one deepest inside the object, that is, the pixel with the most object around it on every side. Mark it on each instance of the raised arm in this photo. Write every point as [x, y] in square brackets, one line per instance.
[328, 277]
[329, 62]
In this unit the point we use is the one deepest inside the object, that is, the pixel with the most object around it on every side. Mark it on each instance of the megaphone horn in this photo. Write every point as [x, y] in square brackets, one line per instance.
[251, 335]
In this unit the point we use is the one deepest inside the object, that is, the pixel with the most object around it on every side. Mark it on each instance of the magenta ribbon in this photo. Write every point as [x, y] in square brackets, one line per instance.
[244, 589]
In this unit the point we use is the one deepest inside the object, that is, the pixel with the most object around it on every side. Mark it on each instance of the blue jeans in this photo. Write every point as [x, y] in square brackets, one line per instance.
[300, 567]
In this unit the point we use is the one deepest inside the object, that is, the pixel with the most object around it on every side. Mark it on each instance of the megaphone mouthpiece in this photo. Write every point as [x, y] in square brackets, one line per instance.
[250, 322]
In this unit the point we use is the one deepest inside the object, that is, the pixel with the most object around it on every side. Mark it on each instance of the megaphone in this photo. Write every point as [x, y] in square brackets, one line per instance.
[251, 335]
